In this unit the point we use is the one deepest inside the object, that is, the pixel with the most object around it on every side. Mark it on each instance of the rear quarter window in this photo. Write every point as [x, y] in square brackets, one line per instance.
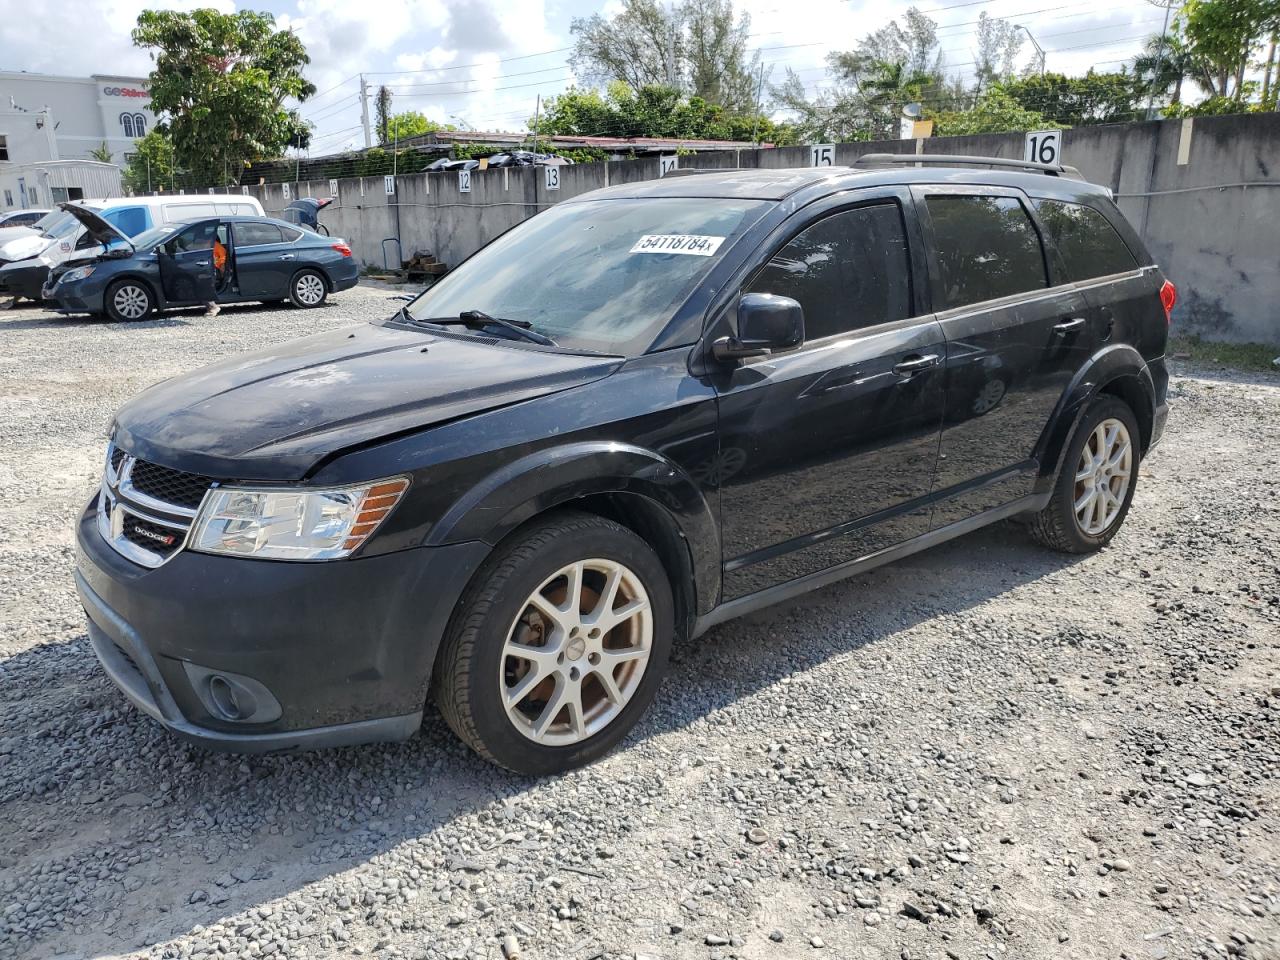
[986, 248]
[1086, 240]
[174, 212]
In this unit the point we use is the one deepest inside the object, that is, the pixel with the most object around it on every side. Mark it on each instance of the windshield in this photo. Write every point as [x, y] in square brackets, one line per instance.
[61, 225]
[153, 237]
[603, 275]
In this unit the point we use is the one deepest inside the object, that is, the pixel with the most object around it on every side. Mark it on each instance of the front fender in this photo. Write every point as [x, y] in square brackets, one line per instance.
[557, 476]
[1115, 362]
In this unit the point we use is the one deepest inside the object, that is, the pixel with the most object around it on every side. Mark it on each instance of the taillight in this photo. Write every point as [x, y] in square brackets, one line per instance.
[343, 249]
[1168, 297]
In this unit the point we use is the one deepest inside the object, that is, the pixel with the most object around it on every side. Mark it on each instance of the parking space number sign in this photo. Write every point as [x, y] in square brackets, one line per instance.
[822, 155]
[333, 188]
[667, 164]
[389, 184]
[1043, 146]
[285, 188]
[464, 181]
[552, 175]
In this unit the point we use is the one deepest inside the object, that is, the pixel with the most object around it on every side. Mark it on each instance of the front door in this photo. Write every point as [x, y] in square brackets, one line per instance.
[824, 450]
[186, 264]
[263, 260]
[1015, 339]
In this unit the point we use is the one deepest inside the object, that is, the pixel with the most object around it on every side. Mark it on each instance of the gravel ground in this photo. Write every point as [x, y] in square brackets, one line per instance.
[983, 751]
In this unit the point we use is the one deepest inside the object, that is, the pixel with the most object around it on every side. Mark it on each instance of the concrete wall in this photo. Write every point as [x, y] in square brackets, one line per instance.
[1204, 195]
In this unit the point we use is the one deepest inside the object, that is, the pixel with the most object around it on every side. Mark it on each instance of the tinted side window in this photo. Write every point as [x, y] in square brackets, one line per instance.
[196, 237]
[130, 221]
[847, 271]
[1089, 245]
[290, 235]
[987, 248]
[248, 234]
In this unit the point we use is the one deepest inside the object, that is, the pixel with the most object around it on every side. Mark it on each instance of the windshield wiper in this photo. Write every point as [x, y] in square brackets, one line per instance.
[478, 320]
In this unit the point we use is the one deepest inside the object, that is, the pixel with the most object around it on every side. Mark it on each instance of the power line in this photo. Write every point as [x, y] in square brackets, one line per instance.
[465, 66]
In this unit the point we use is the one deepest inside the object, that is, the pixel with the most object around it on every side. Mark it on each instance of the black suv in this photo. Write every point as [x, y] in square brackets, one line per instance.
[636, 415]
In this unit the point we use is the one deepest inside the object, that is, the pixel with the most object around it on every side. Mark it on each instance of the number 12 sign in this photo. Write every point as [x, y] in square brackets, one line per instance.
[1043, 146]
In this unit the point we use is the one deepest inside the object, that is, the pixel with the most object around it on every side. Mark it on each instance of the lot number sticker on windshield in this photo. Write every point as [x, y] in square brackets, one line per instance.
[692, 244]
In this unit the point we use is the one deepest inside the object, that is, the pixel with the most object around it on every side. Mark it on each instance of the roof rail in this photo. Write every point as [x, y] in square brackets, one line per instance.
[952, 160]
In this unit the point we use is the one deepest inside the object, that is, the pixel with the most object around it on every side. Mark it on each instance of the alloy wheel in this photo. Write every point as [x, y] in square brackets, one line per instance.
[1103, 476]
[577, 652]
[310, 289]
[131, 302]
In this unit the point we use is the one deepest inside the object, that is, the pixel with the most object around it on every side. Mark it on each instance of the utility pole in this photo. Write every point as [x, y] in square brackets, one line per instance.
[364, 112]
[755, 124]
[1164, 30]
[537, 112]
[1039, 49]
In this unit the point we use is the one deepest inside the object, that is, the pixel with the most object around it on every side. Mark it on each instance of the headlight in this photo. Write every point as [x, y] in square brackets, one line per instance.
[293, 524]
[79, 273]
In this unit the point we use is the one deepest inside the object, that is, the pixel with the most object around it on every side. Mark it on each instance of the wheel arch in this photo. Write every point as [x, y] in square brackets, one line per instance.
[637, 488]
[1118, 371]
[312, 268]
[158, 299]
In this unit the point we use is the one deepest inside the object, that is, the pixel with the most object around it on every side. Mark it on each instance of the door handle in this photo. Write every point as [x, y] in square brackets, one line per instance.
[915, 364]
[286, 256]
[202, 263]
[1069, 326]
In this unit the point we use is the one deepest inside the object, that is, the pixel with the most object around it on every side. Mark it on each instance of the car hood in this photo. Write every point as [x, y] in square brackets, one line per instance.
[277, 413]
[22, 246]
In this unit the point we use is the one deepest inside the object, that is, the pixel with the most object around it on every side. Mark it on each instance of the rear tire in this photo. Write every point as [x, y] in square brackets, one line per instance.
[538, 683]
[128, 301]
[1096, 482]
[308, 289]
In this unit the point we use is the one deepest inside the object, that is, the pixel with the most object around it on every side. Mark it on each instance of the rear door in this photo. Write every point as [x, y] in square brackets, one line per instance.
[186, 264]
[264, 262]
[826, 451]
[1015, 337]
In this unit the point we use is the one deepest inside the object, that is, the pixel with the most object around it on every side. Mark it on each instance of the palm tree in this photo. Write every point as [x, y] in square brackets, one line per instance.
[1165, 64]
[889, 86]
[101, 153]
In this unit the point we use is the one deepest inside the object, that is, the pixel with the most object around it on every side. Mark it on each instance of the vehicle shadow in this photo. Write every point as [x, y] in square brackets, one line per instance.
[51, 320]
[158, 837]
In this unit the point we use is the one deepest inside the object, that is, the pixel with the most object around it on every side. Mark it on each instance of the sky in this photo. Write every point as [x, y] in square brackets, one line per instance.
[482, 65]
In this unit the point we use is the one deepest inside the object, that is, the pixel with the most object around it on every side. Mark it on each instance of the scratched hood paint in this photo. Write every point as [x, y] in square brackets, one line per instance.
[275, 414]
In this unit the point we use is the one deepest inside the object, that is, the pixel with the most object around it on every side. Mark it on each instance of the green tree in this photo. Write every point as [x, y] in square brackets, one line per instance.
[151, 166]
[999, 43]
[996, 112]
[219, 84]
[698, 47]
[1078, 101]
[1224, 36]
[652, 111]
[1164, 67]
[101, 153]
[383, 115]
[411, 123]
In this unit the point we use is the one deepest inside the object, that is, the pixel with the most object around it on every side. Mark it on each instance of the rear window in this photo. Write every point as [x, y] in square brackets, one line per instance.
[1089, 245]
[987, 248]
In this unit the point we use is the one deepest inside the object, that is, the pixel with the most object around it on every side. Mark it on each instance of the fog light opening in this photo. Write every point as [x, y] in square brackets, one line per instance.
[224, 697]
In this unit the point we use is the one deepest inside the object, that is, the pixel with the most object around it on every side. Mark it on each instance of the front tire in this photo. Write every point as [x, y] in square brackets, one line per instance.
[128, 301]
[1095, 485]
[308, 289]
[558, 646]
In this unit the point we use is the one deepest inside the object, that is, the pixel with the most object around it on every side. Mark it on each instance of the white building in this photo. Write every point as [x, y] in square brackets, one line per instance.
[48, 127]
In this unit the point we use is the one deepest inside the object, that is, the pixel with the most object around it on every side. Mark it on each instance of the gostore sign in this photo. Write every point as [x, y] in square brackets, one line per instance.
[124, 92]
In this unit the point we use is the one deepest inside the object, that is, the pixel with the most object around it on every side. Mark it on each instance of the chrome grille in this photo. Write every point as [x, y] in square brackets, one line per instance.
[144, 510]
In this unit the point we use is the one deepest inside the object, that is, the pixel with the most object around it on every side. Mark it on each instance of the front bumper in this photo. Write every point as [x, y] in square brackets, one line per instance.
[25, 278]
[345, 647]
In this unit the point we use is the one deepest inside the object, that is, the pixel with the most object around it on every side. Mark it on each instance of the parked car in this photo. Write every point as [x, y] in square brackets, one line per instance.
[525, 158]
[641, 413]
[173, 266]
[444, 163]
[26, 261]
[20, 218]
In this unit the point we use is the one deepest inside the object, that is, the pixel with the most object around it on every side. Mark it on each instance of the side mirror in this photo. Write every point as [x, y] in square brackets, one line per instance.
[766, 323]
